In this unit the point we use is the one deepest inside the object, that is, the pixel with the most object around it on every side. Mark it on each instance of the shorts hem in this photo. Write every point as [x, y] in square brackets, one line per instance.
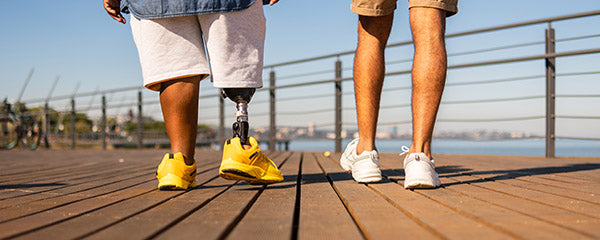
[371, 12]
[152, 83]
[450, 8]
[237, 85]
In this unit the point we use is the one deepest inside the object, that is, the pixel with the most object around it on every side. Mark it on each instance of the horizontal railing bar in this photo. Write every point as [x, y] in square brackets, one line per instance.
[495, 80]
[578, 138]
[296, 98]
[578, 95]
[577, 117]
[494, 100]
[491, 119]
[310, 59]
[577, 73]
[495, 48]
[306, 83]
[526, 23]
[303, 74]
[475, 51]
[528, 58]
[306, 112]
[577, 38]
[464, 120]
[63, 97]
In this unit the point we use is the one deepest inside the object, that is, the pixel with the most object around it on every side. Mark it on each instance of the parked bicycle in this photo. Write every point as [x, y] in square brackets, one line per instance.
[19, 128]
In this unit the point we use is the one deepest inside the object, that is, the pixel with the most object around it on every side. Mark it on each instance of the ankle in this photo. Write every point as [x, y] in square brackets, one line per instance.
[246, 147]
[189, 160]
[361, 147]
[420, 149]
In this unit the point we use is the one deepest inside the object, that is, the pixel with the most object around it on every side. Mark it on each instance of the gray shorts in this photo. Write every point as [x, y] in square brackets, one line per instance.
[173, 48]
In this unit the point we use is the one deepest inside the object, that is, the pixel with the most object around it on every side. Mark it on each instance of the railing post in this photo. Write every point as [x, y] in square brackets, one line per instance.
[221, 133]
[140, 126]
[3, 125]
[272, 128]
[550, 93]
[338, 106]
[103, 133]
[73, 119]
[46, 125]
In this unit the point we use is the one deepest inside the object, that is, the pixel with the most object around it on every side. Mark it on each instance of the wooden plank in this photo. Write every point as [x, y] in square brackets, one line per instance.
[61, 184]
[179, 210]
[322, 213]
[445, 222]
[585, 169]
[377, 217]
[24, 205]
[95, 221]
[505, 167]
[89, 183]
[528, 176]
[583, 224]
[555, 194]
[272, 215]
[48, 172]
[50, 216]
[508, 221]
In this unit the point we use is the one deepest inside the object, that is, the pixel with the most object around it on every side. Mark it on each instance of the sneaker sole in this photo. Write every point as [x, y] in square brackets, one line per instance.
[172, 182]
[365, 171]
[234, 174]
[232, 170]
[423, 176]
[370, 179]
[419, 185]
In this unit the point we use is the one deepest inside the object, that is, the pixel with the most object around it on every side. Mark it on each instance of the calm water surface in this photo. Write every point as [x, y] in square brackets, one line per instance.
[521, 147]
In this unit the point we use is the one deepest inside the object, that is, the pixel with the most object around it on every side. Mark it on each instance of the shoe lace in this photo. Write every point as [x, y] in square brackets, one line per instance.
[405, 150]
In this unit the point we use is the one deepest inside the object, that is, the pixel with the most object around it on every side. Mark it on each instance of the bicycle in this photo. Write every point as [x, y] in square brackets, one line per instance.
[22, 128]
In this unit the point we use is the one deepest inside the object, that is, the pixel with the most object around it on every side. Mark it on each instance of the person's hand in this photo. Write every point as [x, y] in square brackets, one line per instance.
[273, 2]
[113, 8]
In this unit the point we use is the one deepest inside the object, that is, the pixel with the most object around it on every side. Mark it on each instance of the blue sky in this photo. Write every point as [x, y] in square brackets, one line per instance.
[78, 41]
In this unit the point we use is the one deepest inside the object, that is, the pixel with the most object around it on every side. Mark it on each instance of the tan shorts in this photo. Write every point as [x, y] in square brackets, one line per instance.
[172, 48]
[385, 7]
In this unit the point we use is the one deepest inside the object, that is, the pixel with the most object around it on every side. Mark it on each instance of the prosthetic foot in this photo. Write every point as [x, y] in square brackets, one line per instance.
[239, 163]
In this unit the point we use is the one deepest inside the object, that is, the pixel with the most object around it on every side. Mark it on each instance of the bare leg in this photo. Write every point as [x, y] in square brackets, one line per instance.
[428, 73]
[179, 104]
[369, 70]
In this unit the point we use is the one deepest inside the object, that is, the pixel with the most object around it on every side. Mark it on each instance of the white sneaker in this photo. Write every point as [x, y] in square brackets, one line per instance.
[364, 167]
[419, 171]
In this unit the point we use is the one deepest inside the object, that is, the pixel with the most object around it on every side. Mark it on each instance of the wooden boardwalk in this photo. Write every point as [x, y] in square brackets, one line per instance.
[95, 194]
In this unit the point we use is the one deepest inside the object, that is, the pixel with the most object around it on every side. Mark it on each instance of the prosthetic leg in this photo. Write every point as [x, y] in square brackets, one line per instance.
[245, 162]
[241, 96]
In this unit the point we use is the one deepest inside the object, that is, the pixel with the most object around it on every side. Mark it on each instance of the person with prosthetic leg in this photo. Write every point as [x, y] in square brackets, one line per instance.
[242, 158]
[173, 45]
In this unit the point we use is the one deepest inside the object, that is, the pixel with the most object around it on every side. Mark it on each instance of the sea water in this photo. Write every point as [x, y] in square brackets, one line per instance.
[519, 147]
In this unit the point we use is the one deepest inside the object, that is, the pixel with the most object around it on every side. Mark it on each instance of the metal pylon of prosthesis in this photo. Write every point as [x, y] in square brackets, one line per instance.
[241, 96]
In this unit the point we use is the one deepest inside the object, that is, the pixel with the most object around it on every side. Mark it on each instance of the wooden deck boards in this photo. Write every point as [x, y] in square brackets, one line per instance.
[95, 194]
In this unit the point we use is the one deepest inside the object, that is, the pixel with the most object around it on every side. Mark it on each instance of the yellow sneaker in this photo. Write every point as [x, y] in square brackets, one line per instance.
[174, 174]
[250, 165]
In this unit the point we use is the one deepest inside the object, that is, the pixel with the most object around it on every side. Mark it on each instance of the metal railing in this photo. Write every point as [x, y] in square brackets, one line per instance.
[314, 79]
